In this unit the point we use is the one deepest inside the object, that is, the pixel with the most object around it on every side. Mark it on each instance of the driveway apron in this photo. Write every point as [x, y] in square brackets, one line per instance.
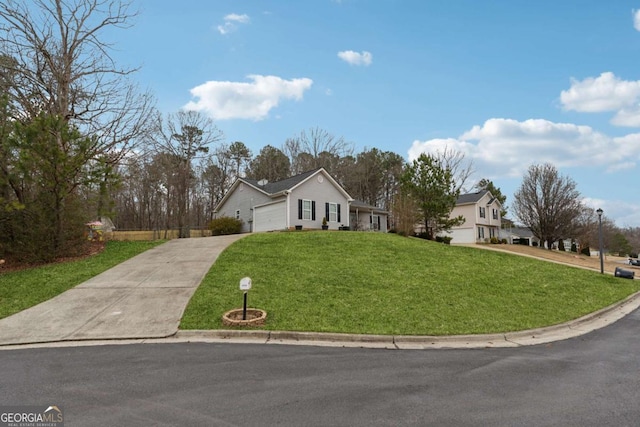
[143, 297]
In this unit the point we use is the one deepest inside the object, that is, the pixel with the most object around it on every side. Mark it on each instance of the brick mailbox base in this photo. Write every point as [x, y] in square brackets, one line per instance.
[255, 317]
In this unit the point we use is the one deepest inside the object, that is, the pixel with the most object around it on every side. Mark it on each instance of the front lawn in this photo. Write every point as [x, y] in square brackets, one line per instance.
[378, 283]
[23, 289]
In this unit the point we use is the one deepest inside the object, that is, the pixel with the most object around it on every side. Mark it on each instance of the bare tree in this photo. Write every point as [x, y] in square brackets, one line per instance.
[185, 135]
[59, 65]
[548, 203]
[315, 148]
[461, 169]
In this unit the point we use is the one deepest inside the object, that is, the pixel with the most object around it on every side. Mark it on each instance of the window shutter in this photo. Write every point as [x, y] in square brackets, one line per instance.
[299, 208]
[378, 222]
[339, 220]
[313, 210]
[326, 208]
[371, 219]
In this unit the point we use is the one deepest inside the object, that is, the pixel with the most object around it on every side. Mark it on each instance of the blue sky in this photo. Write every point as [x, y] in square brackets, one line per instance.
[509, 83]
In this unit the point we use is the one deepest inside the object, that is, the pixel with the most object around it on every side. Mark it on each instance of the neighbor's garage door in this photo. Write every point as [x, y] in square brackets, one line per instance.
[270, 217]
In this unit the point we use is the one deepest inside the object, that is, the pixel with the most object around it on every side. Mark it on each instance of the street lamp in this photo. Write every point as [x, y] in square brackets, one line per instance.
[599, 212]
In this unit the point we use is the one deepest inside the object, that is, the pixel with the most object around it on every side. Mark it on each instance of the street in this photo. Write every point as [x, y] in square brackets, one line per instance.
[593, 380]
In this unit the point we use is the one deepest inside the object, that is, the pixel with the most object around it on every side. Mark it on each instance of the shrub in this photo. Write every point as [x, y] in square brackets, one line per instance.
[494, 240]
[225, 225]
[585, 251]
[633, 254]
[574, 247]
[503, 241]
[444, 239]
[561, 246]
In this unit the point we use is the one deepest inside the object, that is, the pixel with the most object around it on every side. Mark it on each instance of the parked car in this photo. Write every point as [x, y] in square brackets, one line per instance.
[635, 262]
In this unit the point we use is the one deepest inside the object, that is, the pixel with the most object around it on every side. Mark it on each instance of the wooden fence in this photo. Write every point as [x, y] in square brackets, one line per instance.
[152, 234]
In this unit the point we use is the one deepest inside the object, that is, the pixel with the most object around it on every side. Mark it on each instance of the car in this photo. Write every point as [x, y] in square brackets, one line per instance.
[635, 262]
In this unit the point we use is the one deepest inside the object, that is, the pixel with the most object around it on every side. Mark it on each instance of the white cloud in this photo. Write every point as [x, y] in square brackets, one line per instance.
[626, 214]
[231, 21]
[506, 147]
[605, 93]
[354, 58]
[238, 100]
[636, 19]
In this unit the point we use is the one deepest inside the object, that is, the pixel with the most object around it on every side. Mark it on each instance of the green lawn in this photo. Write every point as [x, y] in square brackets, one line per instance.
[23, 289]
[386, 284]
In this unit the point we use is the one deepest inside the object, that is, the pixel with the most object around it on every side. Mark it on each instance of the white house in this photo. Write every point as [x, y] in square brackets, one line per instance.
[302, 201]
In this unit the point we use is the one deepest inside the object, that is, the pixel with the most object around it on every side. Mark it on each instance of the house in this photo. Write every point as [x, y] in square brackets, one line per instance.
[481, 212]
[520, 235]
[301, 201]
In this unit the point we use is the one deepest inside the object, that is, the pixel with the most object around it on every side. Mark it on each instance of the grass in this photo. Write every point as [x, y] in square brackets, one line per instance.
[23, 289]
[377, 283]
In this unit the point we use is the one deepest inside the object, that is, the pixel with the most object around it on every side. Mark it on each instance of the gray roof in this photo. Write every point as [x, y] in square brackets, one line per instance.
[463, 199]
[279, 186]
[363, 205]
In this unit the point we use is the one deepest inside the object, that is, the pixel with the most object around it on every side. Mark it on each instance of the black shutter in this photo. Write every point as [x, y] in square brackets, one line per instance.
[313, 210]
[339, 220]
[378, 222]
[299, 208]
[371, 219]
[326, 210]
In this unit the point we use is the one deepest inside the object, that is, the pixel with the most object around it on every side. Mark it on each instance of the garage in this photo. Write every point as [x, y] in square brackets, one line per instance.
[272, 216]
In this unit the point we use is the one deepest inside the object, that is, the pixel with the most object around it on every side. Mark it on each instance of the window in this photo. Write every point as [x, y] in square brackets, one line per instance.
[495, 213]
[492, 232]
[482, 212]
[374, 222]
[480, 232]
[306, 209]
[238, 214]
[333, 212]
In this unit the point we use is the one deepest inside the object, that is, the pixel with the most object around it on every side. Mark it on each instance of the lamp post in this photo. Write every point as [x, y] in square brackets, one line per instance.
[599, 212]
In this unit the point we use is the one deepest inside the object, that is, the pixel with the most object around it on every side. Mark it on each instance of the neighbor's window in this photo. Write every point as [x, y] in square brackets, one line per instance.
[306, 209]
[375, 222]
[495, 214]
[333, 212]
[238, 214]
[480, 232]
[482, 212]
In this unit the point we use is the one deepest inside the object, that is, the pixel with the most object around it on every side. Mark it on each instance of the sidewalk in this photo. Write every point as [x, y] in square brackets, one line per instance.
[144, 297]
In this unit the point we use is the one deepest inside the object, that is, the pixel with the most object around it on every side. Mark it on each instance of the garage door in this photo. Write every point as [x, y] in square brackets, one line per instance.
[270, 217]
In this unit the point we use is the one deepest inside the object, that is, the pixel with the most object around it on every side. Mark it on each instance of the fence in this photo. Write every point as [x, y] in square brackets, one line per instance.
[153, 234]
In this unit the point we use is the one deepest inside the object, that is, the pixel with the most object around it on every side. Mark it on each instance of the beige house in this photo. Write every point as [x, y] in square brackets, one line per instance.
[481, 212]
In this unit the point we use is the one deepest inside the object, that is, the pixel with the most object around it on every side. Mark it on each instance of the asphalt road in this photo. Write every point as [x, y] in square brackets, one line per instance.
[593, 380]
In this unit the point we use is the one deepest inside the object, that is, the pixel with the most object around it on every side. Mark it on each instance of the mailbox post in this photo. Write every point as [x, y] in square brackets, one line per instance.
[245, 285]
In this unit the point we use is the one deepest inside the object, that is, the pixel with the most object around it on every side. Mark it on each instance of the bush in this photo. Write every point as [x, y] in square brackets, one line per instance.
[444, 239]
[225, 225]
[574, 247]
[503, 241]
[561, 246]
[585, 251]
[494, 240]
[633, 254]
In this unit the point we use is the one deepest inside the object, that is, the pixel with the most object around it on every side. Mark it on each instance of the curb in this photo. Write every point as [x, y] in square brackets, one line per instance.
[574, 328]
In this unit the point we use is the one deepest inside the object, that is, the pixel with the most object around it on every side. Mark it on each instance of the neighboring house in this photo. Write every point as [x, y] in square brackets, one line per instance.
[300, 201]
[481, 212]
[520, 235]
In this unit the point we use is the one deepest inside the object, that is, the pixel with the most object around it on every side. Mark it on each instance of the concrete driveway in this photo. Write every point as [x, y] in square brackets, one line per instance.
[144, 297]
